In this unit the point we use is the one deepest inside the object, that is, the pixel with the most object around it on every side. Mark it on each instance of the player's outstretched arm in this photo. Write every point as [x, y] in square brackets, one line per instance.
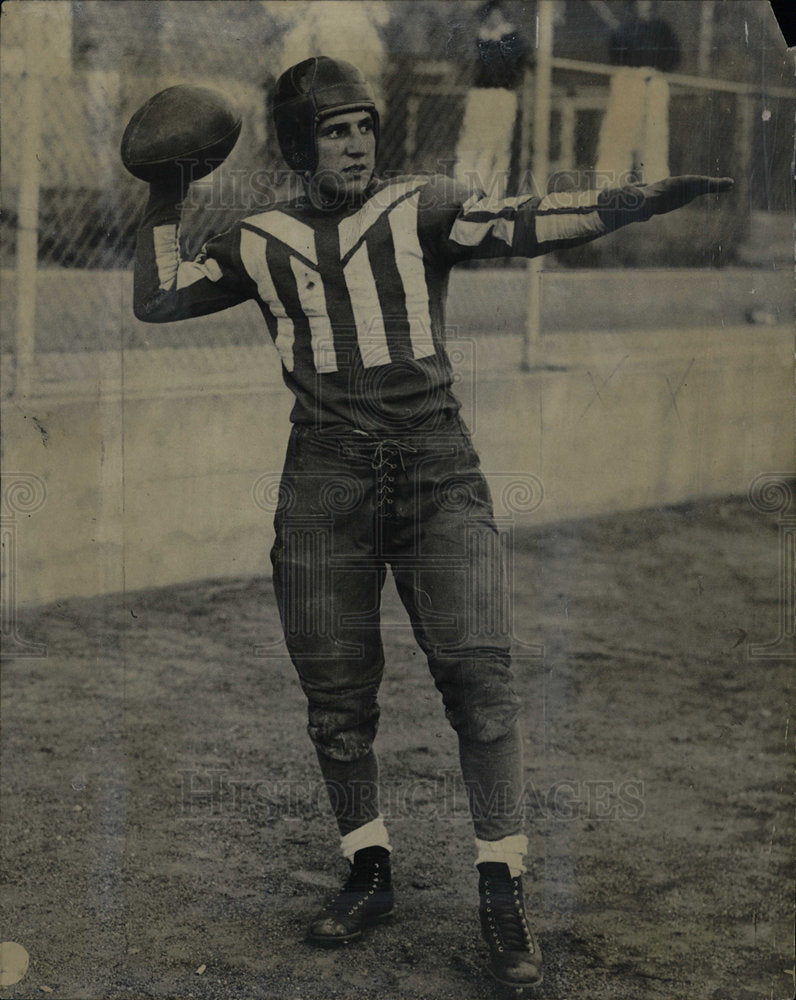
[167, 287]
[621, 206]
[528, 226]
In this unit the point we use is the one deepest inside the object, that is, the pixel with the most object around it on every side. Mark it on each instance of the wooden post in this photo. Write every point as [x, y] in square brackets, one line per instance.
[28, 211]
[705, 52]
[745, 124]
[524, 184]
[541, 161]
[410, 138]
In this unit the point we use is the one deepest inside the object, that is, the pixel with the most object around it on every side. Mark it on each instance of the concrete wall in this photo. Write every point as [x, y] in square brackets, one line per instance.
[90, 310]
[149, 462]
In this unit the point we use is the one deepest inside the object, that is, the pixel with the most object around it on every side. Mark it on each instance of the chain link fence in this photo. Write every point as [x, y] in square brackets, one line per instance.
[93, 64]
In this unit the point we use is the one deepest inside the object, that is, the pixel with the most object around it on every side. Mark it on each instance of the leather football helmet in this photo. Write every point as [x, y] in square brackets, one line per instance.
[313, 90]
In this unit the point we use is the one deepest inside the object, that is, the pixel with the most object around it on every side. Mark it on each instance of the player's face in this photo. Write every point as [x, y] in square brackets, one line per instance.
[346, 154]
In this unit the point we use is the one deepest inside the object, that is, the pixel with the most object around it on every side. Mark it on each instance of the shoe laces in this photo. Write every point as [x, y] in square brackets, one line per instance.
[363, 878]
[504, 908]
[363, 882]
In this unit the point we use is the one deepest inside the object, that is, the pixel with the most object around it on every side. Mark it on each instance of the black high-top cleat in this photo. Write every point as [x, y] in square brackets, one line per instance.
[366, 898]
[514, 955]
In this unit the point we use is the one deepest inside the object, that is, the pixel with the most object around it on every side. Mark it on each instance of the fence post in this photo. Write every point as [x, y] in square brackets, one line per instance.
[410, 138]
[524, 178]
[28, 209]
[541, 158]
[745, 110]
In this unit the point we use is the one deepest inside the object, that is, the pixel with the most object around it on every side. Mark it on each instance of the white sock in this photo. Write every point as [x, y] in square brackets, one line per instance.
[509, 851]
[372, 834]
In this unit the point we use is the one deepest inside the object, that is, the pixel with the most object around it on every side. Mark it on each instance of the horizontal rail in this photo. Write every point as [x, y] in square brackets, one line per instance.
[447, 89]
[679, 79]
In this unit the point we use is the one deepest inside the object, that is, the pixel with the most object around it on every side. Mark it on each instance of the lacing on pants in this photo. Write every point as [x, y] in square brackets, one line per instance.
[384, 455]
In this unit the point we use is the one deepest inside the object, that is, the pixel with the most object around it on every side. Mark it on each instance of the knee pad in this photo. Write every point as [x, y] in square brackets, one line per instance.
[342, 734]
[480, 702]
[484, 724]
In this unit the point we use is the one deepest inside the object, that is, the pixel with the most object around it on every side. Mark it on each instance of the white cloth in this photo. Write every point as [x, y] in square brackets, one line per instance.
[483, 152]
[509, 851]
[634, 137]
[372, 834]
[335, 28]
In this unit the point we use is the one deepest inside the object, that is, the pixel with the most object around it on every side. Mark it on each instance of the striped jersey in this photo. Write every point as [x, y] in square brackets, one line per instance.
[354, 297]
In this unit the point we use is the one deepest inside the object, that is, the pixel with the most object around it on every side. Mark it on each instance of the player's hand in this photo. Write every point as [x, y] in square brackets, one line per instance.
[674, 192]
[171, 185]
[620, 206]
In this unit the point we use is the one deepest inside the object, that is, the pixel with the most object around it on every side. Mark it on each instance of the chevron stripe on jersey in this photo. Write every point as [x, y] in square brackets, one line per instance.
[383, 261]
[312, 297]
[485, 215]
[365, 279]
[567, 215]
[371, 331]
[292, 232]
[174, 272]
[253, 252]
[355, 294]
[353, 228]
[166, 241]
[409, 261]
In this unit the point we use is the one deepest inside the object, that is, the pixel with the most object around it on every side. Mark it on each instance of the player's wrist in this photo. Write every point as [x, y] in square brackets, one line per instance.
[172, 187]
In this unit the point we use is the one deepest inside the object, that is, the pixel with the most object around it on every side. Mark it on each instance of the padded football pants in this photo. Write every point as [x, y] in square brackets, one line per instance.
[351, 505]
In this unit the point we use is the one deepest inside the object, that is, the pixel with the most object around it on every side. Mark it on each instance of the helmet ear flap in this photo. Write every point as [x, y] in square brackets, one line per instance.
[297, 146]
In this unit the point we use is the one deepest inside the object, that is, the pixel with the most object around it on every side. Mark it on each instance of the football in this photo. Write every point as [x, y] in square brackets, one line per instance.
[191, 128]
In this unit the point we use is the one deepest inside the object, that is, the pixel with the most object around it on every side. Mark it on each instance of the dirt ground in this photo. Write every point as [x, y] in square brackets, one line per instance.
[164, 833]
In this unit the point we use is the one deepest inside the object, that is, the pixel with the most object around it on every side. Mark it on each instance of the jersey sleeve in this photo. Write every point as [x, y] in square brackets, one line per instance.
[457, 226]
[166, 287]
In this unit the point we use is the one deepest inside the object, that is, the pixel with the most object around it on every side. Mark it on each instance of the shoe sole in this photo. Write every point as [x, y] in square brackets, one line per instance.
[333, 942]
